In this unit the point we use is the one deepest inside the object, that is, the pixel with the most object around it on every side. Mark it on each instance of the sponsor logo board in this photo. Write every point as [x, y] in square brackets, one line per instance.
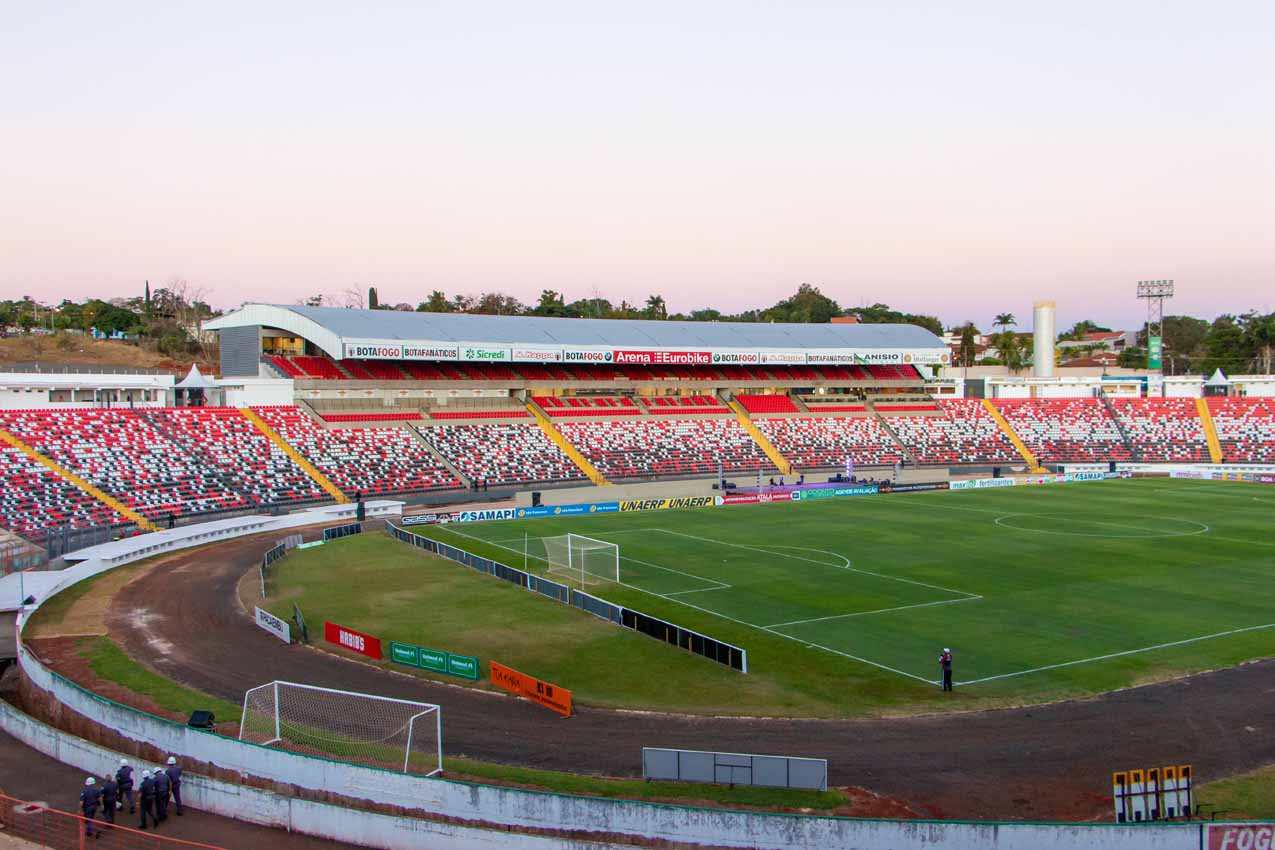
[424, 352]
[666, 504]
[434, 660]
[402, 653]
[569, 510]
[352, 640]
[277, 627]
[740, 357]
[538, 355]
[486, 355]
[634, 357]
[919, 487]
[1241, 836]
[484, 516]
[753, 498]
[586, 355]
[529, 687]
[427, 519]
[834, 492]
[790, 358]
[377, 352]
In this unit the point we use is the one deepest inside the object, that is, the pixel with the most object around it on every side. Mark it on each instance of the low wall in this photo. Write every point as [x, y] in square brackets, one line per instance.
[456, 814]
[620, 492]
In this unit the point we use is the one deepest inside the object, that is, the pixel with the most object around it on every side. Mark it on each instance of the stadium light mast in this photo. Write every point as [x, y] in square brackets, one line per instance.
[1155, 293]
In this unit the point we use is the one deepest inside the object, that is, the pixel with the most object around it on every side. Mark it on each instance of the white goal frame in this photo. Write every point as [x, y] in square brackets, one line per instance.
[575, 565]
[411, 724]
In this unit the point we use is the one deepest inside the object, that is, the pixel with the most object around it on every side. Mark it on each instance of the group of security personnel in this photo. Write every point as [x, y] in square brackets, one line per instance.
[157, 787]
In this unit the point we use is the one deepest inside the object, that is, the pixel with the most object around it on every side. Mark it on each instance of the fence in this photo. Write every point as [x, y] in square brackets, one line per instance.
[671, 633]
[276, 552]
[342, 531]
[65, 831]
[735, 769]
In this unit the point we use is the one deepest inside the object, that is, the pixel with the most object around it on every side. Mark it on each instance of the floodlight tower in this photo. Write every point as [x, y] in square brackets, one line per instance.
[1155, 293]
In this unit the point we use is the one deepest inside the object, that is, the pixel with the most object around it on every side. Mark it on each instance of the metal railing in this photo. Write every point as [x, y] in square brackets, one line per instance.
[65, 831]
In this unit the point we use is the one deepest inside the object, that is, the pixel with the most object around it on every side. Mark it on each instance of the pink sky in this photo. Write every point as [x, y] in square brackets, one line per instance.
[961, 164]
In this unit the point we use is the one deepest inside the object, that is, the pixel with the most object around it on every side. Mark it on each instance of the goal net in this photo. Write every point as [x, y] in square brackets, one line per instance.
[395, 734]
[583, 558]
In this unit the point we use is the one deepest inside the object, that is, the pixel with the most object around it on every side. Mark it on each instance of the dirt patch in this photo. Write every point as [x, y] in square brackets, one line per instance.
[70, 350]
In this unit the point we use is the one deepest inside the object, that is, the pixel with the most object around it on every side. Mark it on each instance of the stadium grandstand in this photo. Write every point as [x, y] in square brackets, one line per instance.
[319, 404]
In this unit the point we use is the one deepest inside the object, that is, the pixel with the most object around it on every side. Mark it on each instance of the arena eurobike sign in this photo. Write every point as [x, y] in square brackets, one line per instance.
[480, 353]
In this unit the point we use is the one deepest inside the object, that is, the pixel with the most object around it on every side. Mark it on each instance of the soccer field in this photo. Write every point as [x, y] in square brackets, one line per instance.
[1036, 589]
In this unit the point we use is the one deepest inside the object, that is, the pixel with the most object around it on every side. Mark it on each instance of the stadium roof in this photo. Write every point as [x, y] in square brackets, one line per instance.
[360, 333]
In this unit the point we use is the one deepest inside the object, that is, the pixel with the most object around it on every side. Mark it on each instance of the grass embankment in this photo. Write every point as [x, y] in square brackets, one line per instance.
[111, 663]
[1250, 795]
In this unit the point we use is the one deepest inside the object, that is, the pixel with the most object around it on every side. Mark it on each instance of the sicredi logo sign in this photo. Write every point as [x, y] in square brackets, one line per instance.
[663, 358]
[484, 354]
[394, 352]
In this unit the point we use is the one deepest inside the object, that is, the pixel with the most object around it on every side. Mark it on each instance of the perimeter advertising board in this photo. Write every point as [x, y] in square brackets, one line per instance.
[434, 660]
[529, 687]
[666, 504]
[352, 640]
[271, 623]
[753, 498]
[834, 492]
[1240, 836]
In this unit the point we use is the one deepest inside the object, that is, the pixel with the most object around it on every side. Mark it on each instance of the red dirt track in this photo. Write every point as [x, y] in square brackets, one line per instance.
[1048, 762]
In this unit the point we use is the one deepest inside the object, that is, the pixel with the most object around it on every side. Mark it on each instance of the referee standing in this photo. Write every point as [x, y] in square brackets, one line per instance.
[945, 661]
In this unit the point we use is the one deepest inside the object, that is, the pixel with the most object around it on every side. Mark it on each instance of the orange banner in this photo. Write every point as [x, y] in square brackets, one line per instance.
[529, 687]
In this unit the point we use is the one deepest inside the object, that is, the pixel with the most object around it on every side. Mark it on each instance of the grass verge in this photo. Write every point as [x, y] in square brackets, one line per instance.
[1250, 795]
[111, 663]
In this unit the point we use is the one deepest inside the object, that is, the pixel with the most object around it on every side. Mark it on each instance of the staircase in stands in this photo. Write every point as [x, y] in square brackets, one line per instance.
[1032, 463]
[550, 430]
[310, 469]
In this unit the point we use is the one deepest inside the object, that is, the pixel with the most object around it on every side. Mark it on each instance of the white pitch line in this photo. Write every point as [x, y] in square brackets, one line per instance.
[698, 590]
[876, 611]
[1151, 532]
[822, 563]
[1119, 654]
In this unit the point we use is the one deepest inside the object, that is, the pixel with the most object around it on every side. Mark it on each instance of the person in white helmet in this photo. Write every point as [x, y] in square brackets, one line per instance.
[124, 777]
[146, 799]
[945, 661]
[174, 772]
[90, 798]
[161, 794]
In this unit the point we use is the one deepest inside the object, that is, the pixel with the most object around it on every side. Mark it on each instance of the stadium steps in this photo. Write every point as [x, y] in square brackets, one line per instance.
[420, 437]
[308, 468]
[94, 491]
[781, 463]
[1134, 451]
[1008, 431]
[894, 435]
[800, 405]
[1210, 430]
[551, 431]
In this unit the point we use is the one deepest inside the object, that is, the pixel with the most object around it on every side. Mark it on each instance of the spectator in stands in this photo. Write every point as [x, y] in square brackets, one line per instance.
[146, 801]
[124, 776]
[174, 772]
[162, 789]
[110, 798]
[945, 661]
[90, 797]
[172, 520]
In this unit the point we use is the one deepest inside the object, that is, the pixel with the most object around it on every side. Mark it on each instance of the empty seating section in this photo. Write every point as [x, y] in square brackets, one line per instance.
[664, 446]
[395, 416]
[817, 442]
[684, 404]
[1075, 430]
[1164, 429]
[318, 367]
[766, 403]
[127, 456]
[587, 406]
[251, 463]
[479, 414]
[1245, 428]
[371, 461]
[35, 500]
[963, 432]
[286, 366]
[502, 452]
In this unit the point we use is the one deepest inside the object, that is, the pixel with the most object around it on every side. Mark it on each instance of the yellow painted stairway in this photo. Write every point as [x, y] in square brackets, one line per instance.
[310, 469]
[1008, 430]
[552, 432]
[97, 493]
[1210, 430]
[781, 463]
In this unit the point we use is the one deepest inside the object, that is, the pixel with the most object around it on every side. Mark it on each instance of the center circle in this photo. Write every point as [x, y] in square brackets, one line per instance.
[1134, 528]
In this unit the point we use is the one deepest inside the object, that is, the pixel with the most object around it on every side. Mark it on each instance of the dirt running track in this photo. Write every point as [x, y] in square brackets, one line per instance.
[1048, 762]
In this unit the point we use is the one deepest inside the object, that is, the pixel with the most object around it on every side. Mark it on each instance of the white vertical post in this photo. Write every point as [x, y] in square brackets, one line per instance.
[278, 734]
[438, 725]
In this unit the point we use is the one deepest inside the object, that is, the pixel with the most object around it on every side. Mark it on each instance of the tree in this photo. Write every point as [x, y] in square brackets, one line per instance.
[807, 305]
[655, 308]
[550, 304]
[1004, 320]
[498, 304]
[591, 308]
[437, 303]
[373, 301]
[1132, 358]
[882, 314]
[1011, 349]
[1081, 328]
[968, 349]
[1225, 347]
[705, 314]
[1259, 334]
[314, 301]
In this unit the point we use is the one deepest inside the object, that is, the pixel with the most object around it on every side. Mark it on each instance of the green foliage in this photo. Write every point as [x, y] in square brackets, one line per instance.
[373, 300]
[882, 314]
[1132, 358]
[437, 303]
[110, 662]
[807, 305]
[1081, 328]
[1251, 795]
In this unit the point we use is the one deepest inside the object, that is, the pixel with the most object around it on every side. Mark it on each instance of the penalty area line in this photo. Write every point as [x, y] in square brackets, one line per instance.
[876, 611]
[1119, 654]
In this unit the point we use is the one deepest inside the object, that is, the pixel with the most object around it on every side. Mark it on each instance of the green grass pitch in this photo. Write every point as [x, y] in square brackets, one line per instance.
[843, 605]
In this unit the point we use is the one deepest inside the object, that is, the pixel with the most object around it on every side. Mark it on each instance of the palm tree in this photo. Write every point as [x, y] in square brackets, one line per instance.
[1004, 320]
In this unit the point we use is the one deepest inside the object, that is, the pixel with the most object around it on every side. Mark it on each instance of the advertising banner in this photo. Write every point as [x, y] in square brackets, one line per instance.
[737, 358]
[352, 640]
[835, 492]
[462, 665]
[373, 352]
[784, 358]
[569, 510]
[912, 488]
[434, 660]
[529, 687]
[1264, 479]
[271, 623]
[753, 498]
[402, 653]
[666, 504]
[662, 358]
[427, 519]
[1240, 836]
[484, 516]
[1155, 350]
[537, 355]
[586, 355]
[489, 355]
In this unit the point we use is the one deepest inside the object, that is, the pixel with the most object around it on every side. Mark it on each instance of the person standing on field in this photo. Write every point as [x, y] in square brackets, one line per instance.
[945, 661]
[90, 797]
[161, 794]
[124, 777]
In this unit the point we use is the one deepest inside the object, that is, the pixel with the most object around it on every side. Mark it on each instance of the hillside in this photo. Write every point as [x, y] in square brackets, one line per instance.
[65, 351]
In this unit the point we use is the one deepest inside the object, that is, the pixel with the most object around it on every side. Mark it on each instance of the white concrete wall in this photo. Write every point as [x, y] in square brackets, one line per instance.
[249, 392]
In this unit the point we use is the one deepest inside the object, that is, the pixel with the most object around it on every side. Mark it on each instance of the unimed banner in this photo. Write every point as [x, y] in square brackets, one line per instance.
[1237, 836]
[352, 640]
[529, 687]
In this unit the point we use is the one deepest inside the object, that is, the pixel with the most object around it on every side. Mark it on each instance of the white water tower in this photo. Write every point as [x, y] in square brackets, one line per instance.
[1043, 339]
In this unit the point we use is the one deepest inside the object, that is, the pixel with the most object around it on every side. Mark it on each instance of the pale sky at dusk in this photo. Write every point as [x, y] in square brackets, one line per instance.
[958, 159]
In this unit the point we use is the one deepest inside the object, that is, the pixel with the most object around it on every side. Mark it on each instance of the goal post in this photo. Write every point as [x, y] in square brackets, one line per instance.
[384, 732]
[583, 558]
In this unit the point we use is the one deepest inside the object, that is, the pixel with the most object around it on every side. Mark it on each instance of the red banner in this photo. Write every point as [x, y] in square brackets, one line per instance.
[664, 358]
[1248, 836]
[529, 687]
[352, 640]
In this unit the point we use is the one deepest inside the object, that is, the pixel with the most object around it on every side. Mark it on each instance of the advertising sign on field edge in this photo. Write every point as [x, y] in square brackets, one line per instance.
[277, 627]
